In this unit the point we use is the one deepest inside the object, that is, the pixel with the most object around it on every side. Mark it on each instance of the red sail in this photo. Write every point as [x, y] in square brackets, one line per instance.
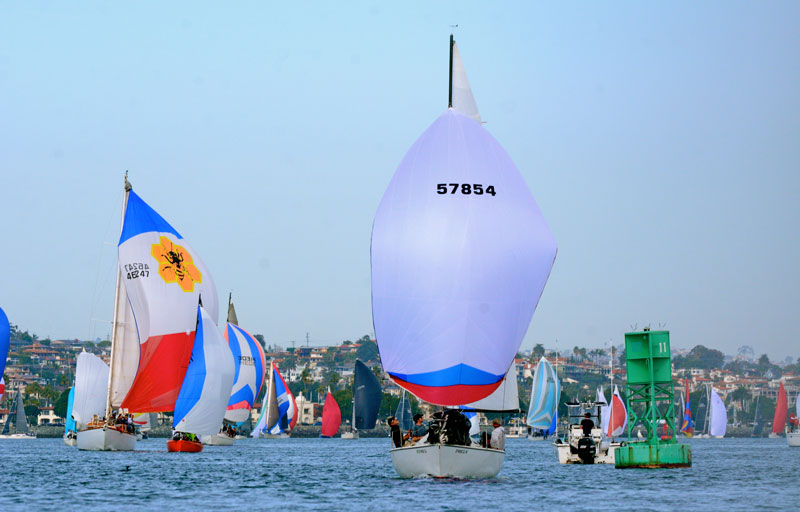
[331, 416]
[779, 421]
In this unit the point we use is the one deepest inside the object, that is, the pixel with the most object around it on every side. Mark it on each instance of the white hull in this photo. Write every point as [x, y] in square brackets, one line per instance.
[350, 435]
[447, 461]
[275, 436]
[18, 436]
[106, 439]
[773, 435]
[793, 438]
[217, 440]
[70, 440]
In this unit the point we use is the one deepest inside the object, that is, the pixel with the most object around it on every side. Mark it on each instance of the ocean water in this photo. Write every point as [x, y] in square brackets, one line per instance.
[336, 474]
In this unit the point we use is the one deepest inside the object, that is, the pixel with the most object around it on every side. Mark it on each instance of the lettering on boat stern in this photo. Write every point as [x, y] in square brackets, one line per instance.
[423, 450]
[459, 450]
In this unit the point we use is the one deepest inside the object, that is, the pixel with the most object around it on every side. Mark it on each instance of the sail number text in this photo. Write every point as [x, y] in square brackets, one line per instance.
[464, 188]
[134, 270]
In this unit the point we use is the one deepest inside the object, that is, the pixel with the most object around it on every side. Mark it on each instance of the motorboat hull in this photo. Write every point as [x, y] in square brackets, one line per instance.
[447, 461]
[217, 440]
[106, 439]
[18, 436]
[184, 446]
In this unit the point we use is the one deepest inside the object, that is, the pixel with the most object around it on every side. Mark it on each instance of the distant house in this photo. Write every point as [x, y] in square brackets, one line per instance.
[48, 417]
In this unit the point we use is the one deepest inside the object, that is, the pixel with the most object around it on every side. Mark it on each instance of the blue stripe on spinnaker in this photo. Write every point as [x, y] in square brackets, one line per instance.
[141, 218]
[195, 377]
[5, 337]
[243, 395]
[255, 351]
[459, 374]
[233, 343]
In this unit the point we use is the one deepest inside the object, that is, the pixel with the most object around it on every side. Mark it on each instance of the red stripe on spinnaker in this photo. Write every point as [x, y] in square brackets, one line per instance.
[460, 394]
[162, 365]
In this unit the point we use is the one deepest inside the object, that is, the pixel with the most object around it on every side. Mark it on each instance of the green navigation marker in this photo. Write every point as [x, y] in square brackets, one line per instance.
[650, 397]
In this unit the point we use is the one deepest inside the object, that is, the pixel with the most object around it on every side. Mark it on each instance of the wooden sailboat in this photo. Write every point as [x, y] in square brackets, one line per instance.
[460, 256]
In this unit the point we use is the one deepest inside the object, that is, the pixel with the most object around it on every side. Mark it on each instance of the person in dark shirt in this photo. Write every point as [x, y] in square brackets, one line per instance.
[419, 429]
[396, 434]
[587, 424]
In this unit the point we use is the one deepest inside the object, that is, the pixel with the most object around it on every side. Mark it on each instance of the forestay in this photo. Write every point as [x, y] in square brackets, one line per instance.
[91, 389]
[207, 385]
[460, 256]
[164, 278]
[545, 395]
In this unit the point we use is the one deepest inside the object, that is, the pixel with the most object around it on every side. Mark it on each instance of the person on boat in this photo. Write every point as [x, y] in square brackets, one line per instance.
[587, 424]
[794, 421]
[419, 430]
[498, 441]
[395, 434]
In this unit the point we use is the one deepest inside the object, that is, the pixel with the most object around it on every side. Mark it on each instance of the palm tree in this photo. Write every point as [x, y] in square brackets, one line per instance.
[538, 352]
[305, 377]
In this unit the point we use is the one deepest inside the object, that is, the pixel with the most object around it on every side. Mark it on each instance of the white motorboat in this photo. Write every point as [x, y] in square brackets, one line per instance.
[447, 461]
[219, 439]
[582, 449]
[105, 439]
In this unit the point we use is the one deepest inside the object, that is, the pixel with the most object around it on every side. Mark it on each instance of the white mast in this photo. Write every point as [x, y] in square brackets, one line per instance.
[115, 326]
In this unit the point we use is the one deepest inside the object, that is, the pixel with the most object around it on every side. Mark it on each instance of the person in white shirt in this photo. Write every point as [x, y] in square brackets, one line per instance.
[498, 441]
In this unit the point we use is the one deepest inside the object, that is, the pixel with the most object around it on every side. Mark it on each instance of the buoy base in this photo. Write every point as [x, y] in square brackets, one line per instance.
[643, 455]
[184, 446]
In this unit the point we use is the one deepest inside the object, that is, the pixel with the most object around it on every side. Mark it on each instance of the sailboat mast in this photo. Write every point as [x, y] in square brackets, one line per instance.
[269, 392]
[450, 86]
[115, 325]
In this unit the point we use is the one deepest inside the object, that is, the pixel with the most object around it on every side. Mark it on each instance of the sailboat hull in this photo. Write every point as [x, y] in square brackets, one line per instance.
[447, 461]
[70, 439]
[217, 440]
[106, 439]
[793, 438]
[184, 446]
[350, 435]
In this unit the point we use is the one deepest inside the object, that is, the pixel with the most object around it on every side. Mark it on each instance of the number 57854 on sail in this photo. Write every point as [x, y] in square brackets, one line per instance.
[464, 188]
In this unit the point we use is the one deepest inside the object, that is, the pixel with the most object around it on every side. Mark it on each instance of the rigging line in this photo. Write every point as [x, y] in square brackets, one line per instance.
[94, 301]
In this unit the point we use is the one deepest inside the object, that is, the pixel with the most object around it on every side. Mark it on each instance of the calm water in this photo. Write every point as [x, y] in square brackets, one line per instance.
[728, 474]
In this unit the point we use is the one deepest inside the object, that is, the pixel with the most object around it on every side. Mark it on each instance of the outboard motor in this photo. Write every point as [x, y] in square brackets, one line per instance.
[586, 450]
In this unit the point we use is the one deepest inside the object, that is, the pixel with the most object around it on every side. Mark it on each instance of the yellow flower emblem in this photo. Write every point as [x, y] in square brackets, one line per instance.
[175, 264]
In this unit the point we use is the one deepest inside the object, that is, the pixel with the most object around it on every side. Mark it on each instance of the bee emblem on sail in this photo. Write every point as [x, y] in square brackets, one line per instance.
[175, 264]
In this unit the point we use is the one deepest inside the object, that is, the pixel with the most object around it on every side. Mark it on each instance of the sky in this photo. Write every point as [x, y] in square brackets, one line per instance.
[660, 141]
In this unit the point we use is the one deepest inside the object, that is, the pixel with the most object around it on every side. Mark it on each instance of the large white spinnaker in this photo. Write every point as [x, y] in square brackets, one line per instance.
[206, 388]
[91, 388]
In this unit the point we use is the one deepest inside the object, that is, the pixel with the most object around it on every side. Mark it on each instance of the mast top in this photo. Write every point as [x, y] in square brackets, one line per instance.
[128, 186]
[450, 78]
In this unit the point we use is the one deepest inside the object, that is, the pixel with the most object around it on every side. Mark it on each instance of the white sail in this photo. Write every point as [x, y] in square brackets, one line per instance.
[719, 417]
[126, 348]
[91, 388]
[206, 387]
[463, 100]
[605, 410]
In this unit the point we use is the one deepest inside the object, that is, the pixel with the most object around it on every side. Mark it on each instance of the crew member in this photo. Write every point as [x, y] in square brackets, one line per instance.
[419, 429]
[498, 441]
[395, 434]
[587, 424]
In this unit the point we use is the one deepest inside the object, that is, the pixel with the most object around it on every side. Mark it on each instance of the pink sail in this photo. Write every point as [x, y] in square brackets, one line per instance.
[781, 408]
[331, 416]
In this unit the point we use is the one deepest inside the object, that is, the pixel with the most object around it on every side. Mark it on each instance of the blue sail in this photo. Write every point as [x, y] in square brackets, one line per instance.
[545, 394]
[5, 337]
[70, 424]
